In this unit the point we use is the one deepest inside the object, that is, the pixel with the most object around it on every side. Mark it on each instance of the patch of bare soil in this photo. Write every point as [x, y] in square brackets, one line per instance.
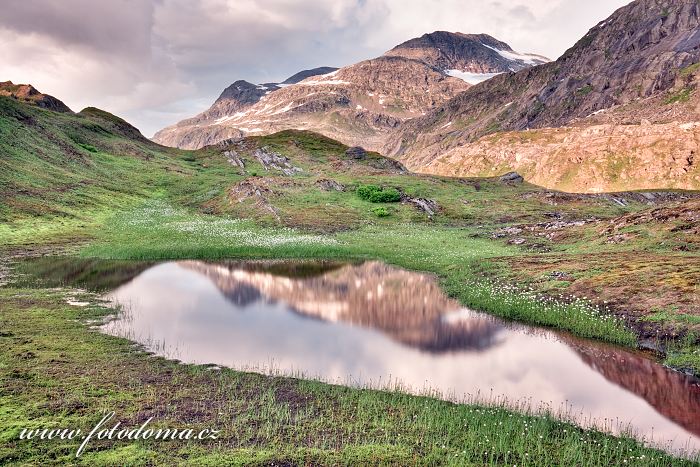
[258, 192]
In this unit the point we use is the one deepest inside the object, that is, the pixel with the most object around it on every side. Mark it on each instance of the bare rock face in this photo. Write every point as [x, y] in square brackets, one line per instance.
[271, 160]
[29, 94]
[330, 185]
[428, 206]
[511, 177]
[356, 152]
[359, 104]
[633, 75]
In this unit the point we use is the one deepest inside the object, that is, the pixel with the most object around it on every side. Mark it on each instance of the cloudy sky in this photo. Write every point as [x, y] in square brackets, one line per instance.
[155, 62]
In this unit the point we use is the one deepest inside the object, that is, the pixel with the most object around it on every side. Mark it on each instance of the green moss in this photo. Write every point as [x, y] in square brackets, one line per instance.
[679, 97]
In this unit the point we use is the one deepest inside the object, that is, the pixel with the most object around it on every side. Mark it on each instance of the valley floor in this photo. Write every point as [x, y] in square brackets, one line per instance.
[621, 268]
[57, 372]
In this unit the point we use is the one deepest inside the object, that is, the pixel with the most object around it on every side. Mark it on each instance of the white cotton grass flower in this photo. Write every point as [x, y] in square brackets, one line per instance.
[163, 218]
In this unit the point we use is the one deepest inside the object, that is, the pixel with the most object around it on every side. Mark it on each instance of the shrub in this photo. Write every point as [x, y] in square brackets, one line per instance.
[375, 194]
[380, 212]
[365, 191]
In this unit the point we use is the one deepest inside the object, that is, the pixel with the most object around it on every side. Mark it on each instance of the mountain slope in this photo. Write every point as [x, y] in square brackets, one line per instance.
[637, 67]
[234, 99]
[302, 75]
[28, 94]
[361, 103]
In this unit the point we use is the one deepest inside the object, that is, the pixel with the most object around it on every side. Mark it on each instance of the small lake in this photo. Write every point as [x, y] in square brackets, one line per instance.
[370, 324]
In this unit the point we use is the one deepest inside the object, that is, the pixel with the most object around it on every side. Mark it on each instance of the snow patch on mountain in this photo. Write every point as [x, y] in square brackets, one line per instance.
[528, 59]
[469, 77]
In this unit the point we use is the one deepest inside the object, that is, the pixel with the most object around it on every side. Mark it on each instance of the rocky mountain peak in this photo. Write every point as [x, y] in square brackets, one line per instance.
[29, 94]
[467, 53]
[240, 95]
[626, 91]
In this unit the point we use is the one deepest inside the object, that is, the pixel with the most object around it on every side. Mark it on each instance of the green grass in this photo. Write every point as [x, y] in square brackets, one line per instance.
[689, 70]
[55, 372]
[92, 183]
[685, 354]
[670, 317]
[686, 358]
[158, 231]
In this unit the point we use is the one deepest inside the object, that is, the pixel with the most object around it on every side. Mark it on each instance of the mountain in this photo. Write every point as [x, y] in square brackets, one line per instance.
[29, 94]
[232, 101]
[617, 111]
[360, 104]
[302, 75]
[473, 57]
[410, 309]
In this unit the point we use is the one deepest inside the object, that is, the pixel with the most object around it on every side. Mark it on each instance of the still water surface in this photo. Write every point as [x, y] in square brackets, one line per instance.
[373, 324]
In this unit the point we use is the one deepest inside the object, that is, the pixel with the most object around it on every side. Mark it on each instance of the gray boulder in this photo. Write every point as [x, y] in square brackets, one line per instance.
[356, 152]
[511, 177]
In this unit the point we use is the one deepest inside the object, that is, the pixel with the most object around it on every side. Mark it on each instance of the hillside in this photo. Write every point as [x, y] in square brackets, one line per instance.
[632, 75]
[67, 170]
[28, 94]
[358, 104]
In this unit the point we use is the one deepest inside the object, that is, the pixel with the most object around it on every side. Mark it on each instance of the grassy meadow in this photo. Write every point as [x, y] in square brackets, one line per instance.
[90, 186]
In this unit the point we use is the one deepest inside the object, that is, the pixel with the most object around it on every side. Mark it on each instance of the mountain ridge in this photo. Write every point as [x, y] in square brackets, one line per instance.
[474, 53]
[407, 81]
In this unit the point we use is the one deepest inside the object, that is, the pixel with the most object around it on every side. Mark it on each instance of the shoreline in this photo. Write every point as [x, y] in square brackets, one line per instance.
[128, 352]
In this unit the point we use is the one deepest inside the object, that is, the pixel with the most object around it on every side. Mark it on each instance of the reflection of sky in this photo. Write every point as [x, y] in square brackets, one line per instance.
[185, 312]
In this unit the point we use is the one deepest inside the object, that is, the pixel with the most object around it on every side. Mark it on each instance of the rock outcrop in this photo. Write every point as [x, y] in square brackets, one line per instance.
[586, 159]
[29, 94]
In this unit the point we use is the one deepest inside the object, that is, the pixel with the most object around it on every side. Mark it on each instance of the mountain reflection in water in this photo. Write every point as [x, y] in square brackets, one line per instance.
[408, 307]
[372, 323]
